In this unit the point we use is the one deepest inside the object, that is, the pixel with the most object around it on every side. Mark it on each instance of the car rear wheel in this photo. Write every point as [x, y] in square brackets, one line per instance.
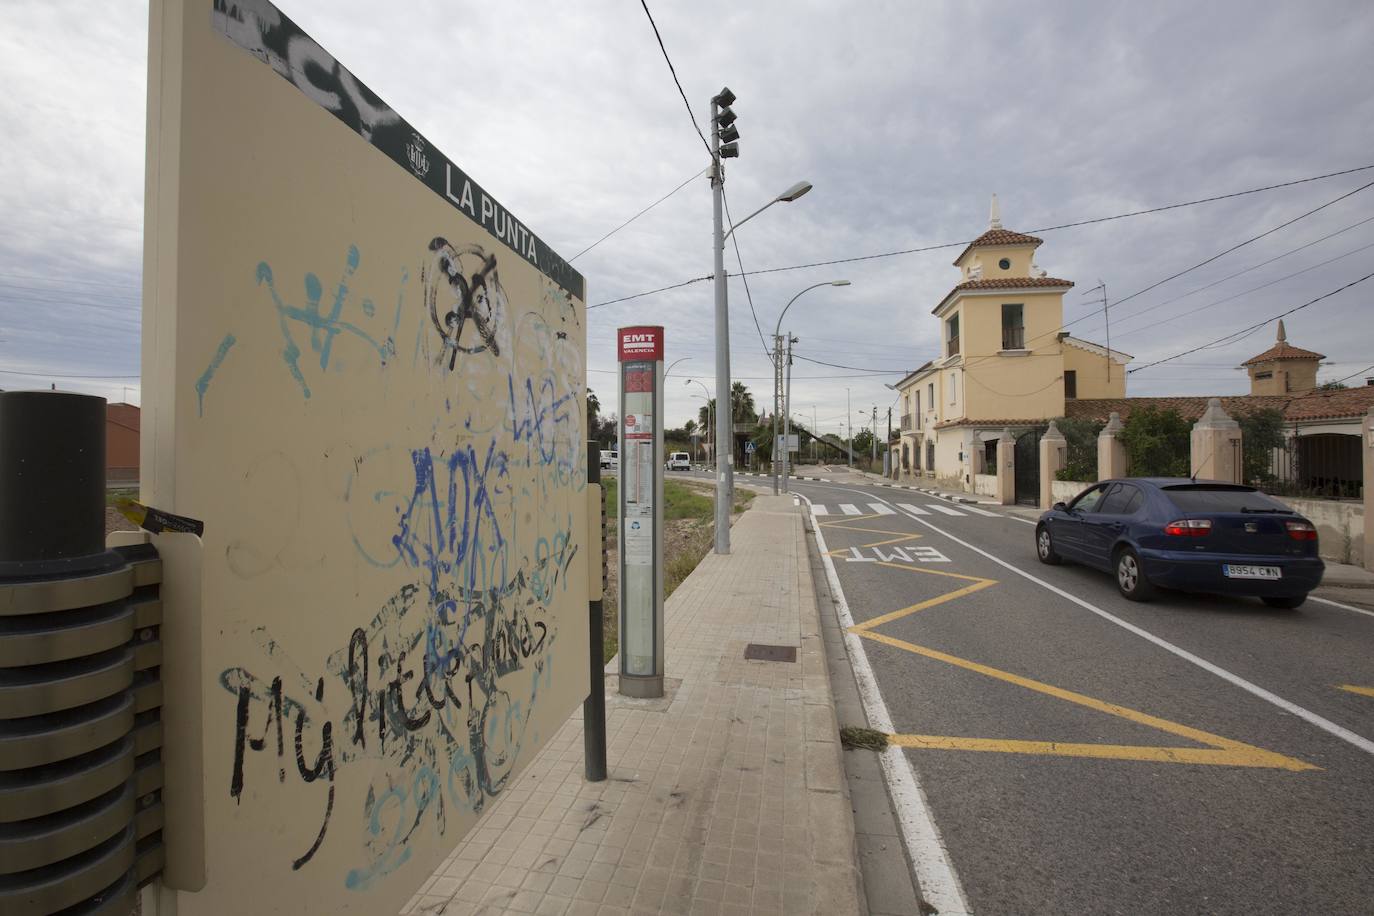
[1287, 603]
[1044, 547]
[1130, 576]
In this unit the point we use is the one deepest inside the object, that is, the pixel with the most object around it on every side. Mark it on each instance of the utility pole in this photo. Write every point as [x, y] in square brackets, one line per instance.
[887, 443]
[849, 418]
[873, 425]
[725, 477]
[777, 401]
[787, 417]
[1107, 320]
[814, 433]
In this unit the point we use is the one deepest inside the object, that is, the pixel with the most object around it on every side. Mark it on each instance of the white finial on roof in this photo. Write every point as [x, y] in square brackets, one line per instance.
[995, 215]
[1283, 335]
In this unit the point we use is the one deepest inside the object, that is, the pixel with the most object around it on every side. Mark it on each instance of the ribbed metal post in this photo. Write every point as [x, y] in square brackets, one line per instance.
[594, 707]
[80, 731]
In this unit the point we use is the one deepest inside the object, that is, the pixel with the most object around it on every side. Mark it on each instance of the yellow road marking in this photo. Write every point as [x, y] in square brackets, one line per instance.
[1219, 751]
[1362, 691]
[1225, 751]
[1250, 757]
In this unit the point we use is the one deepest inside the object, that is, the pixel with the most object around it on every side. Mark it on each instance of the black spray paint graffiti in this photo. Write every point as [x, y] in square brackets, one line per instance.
[422, 693]
[476, 297]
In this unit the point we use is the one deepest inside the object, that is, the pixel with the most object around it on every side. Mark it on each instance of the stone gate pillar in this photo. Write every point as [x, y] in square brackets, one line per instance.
[1216, 446]
[1111, 451]
[1054, 456]
[1006, 468]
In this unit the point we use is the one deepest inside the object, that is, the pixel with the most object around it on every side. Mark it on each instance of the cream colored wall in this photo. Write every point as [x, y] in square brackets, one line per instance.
[1020, 258]
[1287, 376]
[1013, 387]
[948, 470]
[1092, 374]
[380, 529]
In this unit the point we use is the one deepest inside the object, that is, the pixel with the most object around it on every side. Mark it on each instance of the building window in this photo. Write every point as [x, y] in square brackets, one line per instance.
[930, 396]
[1005, 264]
[953, 388]
[952, 336]
[1013, 331]
[1070, 383]
[918, 409]
[1260, 375]
[930, 456]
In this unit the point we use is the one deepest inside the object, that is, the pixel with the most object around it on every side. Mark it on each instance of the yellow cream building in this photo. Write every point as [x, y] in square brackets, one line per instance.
[1005, 362]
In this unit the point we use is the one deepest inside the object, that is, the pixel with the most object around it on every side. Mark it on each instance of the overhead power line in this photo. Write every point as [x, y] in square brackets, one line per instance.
[1069, 225]
[638, 215]
[820, 362]
[1351, 375]
[62, 376]
[1243, 332]
[673, 71]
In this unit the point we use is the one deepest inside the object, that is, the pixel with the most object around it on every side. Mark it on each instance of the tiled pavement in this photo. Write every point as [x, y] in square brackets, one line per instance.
[727, 796]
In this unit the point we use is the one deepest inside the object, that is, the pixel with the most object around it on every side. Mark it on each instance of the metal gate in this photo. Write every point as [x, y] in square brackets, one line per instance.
[1028, 467]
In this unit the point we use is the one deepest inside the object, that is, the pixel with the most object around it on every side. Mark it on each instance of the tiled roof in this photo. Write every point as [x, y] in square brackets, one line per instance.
[1331, 405]
[1315, 405]
[1283, 350]
[1012, 283]
[1015, 424]
[995, 237]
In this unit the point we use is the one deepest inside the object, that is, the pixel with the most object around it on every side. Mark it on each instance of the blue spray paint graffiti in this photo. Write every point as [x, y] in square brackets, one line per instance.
[324, 327]
[203, 383]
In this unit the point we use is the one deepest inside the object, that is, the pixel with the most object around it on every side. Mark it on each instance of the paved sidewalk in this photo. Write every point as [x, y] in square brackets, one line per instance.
[727, 796]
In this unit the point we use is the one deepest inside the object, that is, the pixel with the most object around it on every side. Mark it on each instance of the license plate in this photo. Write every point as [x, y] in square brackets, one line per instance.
[1231, 571]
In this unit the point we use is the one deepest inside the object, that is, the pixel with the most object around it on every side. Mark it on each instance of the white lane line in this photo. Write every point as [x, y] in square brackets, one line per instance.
[1307, 715]
[850, 509]
[939, 885]
[945, 509]
[976, 511]
[882, 509]
[914, 510]
[819, 510]
[1025, 520]
[1346, 607]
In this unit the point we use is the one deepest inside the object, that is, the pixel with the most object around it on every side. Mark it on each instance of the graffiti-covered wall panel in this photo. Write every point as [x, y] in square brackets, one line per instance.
[365, 376]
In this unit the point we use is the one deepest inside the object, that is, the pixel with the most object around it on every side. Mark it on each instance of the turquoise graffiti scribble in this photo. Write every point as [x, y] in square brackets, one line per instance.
[203, 383]
[324, 326]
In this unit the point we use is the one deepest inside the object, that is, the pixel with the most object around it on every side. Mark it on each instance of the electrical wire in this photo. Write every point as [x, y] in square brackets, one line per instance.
[1297, 273]
[59, 375]
[747, 295]
[1070, 225]
[673, 71]
[1350, 376]
[1174, 276]
[641, 213]
[1246, 331]
[855, 368]
[661, 289]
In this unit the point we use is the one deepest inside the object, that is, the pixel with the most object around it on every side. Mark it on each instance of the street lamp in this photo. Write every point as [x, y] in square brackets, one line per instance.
[777, 377]
[725, 145]
[710, 408]
[680, 359]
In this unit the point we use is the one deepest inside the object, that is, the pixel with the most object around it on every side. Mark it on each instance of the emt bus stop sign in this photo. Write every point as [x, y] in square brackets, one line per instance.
[641, 511]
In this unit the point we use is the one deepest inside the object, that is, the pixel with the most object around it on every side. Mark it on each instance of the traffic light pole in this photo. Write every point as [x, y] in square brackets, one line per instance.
[725, 478]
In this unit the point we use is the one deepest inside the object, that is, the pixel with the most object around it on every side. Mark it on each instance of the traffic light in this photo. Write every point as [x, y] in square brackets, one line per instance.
[724, 127]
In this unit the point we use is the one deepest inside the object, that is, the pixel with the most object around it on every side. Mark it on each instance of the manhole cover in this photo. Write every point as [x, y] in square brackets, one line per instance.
[764, 653]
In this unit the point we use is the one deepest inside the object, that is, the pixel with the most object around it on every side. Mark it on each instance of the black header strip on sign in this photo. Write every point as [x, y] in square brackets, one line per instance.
[263, 31]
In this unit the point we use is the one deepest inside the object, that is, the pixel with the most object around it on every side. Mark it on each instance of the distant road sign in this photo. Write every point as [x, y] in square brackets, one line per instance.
[749, 446]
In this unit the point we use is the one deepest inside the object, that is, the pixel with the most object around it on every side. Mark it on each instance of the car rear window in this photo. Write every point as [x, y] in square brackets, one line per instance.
[1212, 498]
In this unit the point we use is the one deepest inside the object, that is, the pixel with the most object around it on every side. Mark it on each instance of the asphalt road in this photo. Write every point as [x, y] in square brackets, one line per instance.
[1072, 764]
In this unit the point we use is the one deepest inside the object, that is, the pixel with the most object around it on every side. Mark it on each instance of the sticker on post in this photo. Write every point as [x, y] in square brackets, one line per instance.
[155, 520]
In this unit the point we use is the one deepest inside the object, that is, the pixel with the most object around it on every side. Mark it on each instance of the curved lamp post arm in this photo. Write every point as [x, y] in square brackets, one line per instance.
[777, 328]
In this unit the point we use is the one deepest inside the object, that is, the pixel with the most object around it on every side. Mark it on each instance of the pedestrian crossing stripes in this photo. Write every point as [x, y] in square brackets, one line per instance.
[908, 508]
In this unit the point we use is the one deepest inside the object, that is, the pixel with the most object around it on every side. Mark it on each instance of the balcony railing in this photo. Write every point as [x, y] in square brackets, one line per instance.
[1013, 338]
[910, 422]
[953, 346]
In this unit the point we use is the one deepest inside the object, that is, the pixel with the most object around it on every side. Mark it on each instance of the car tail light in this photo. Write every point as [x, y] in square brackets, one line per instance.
[1301, 531]
[1189, 528]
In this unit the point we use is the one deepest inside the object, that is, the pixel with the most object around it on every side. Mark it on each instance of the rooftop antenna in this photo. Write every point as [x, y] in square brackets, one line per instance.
[1106, 318]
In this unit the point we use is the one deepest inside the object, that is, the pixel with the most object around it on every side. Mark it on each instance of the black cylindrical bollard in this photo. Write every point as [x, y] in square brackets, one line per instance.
[52, 481]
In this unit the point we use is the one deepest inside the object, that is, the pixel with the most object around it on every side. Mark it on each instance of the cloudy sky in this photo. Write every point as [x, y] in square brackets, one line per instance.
[905, 116]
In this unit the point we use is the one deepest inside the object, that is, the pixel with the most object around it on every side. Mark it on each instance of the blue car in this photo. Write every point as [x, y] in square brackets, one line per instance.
[1184, 534]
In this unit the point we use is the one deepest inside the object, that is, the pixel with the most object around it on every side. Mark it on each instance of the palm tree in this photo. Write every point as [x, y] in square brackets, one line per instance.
[742, 402]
